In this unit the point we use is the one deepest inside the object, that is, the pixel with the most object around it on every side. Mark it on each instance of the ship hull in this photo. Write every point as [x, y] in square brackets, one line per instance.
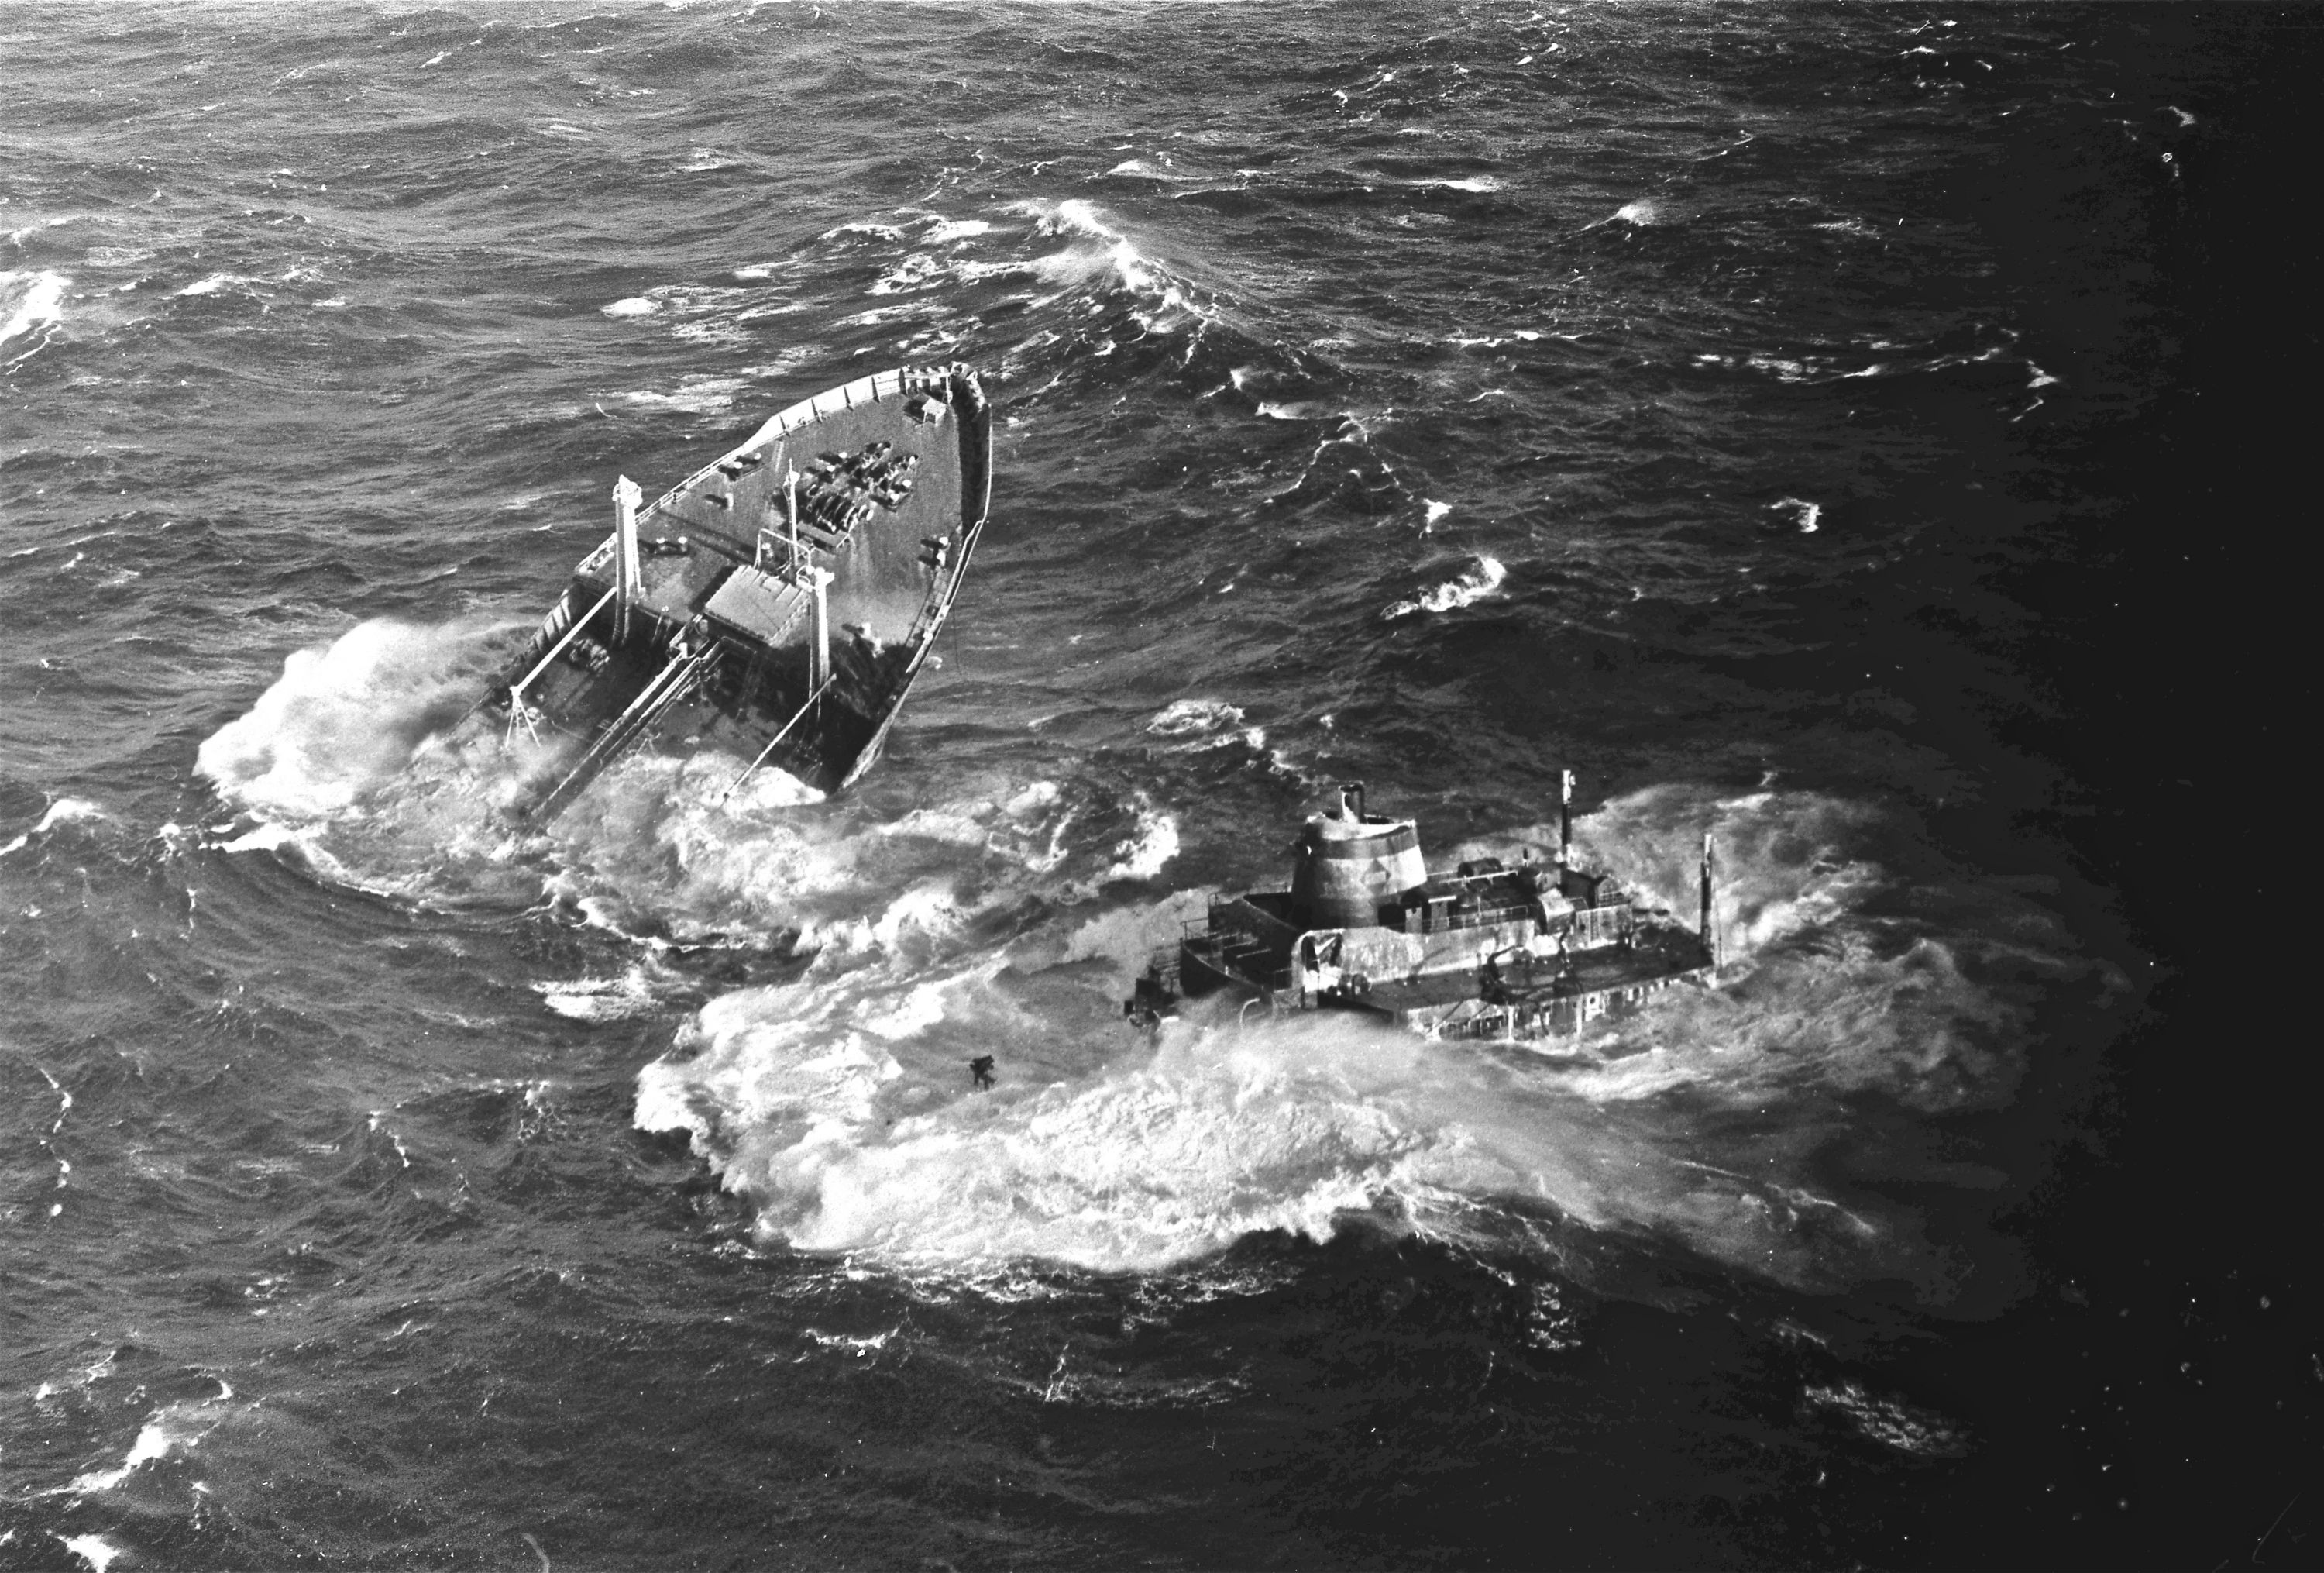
[1521, 952]
[777, 605]
[1444, 1006]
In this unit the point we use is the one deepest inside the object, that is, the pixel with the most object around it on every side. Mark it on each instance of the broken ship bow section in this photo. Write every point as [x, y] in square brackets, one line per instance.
[1529, 951]
[776, 604]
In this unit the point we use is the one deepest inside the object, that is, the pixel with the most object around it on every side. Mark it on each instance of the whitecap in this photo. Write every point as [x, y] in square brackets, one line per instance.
[1477, 584]
[1143, 170]
[863, 228]
[260, 839]
[1152, 842]
[176, 1425]
[1803, 513]
[1891, 1422]
[697, 395]
[345, 717]
[212, 285]
[1155, 842]
[1127, 937]
[97, 1551]
[1169, 305]
[1191, 717]
[66, 811]
[32, 306]
[635, 306]
[153, 1442]
[918, 271]
[878, 315]
[63, 811]
[600, 999]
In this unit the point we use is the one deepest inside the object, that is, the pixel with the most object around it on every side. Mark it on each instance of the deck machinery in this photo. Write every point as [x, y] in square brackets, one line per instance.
[1525, 951]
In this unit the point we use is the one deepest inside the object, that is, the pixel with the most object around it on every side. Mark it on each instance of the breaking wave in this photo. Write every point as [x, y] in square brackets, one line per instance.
[1096, 249]
[1194, 718]
[1477, 584]
[177, 1425]
[347, 718]
[1807, 515]
[32, 307]
[62, 811]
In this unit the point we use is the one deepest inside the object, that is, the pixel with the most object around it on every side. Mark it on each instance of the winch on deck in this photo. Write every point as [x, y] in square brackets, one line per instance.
[1494, 948]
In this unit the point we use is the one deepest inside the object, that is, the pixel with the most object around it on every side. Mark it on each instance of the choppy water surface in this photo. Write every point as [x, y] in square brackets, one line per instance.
[1435, 396]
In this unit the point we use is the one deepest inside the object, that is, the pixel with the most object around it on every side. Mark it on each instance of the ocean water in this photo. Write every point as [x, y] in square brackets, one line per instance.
[1761, 413]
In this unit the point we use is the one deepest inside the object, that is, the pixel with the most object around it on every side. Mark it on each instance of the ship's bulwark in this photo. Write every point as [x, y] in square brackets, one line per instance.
[1799, 421]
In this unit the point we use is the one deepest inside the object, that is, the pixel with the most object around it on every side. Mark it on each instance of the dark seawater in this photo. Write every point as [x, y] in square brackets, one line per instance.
[1792, 419]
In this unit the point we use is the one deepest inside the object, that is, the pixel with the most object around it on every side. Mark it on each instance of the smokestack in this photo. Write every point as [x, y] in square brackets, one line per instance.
[1564, 819]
